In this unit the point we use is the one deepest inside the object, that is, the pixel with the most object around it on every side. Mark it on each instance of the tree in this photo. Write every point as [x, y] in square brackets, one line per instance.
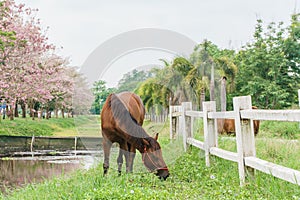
[21, 59]
[82, 94]
[154, 95]
[211, 65]
[198, 77]
[7, 38]
[167, 86]
[291, 48]
[100, 93]
[269, 67]
[131, 80]
[227, 70]
[30, 74]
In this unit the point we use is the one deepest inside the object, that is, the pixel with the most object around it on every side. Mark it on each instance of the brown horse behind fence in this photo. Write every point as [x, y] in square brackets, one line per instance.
[122, 118]
[228, 126]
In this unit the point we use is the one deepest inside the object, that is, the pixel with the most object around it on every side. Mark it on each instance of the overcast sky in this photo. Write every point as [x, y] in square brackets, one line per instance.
[81, 26]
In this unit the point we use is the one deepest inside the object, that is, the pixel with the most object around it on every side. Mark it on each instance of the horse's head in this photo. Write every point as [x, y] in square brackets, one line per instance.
[152, 157]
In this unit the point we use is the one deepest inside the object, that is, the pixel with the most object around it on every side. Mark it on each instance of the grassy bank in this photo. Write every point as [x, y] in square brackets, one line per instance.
[90, 126]
[29, 127]
[190, 179]
[51, 127]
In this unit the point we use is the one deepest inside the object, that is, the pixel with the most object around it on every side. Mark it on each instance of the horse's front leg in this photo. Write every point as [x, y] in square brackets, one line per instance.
[122, 151]
[130, 158]
[120, 160]
[106, 148]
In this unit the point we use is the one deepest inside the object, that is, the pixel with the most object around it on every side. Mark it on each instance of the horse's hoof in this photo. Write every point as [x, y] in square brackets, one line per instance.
[105, 171]
[119, 173]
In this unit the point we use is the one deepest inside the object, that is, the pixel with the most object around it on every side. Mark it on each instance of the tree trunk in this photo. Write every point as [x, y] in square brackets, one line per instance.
[56, 112]
[221, 122]
[32, 111]
[202, 98]
[212, 83]
[223, 94]
[16, 109]
[69, 113]
[63, 113]
[47, 113]
[23, 107]
[11, 112]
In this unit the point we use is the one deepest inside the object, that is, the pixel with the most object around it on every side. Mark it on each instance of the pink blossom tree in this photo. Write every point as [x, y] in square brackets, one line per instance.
[30, 72]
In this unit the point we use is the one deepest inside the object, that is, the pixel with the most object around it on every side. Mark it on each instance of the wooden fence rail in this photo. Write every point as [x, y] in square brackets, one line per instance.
[243, 115]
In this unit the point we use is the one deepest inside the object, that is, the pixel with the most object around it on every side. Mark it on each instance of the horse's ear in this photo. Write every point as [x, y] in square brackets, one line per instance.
[145, 142]
[156, 136]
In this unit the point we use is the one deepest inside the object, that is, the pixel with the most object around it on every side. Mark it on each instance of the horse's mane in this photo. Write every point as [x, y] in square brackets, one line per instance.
[125, 121]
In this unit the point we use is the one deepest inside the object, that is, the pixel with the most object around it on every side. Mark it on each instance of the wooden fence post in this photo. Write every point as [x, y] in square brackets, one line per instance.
[299, 102]
[186, 120]
[171, 122]
[299, 97]
[244, 136]
[31, 145]
[210, 131]
[75, 145]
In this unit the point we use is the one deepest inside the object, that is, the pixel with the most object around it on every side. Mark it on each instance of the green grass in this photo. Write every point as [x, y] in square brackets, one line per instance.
[276, 142]
[267, 129]
[28, 127]
[51, 127]
[275, 129]
[87, 125]
[190, 179]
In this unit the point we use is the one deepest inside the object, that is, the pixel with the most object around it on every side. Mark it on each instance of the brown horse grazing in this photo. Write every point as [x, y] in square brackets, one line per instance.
[228, 126]
[122, 118]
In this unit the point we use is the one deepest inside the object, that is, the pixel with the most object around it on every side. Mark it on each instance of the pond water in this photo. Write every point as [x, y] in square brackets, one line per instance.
[18, 172]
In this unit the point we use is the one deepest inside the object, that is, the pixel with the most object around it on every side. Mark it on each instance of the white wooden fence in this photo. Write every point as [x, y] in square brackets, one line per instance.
[246, 152]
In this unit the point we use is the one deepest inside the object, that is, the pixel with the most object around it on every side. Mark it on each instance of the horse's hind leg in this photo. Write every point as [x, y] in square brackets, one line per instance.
[106, 148]
[129, 152]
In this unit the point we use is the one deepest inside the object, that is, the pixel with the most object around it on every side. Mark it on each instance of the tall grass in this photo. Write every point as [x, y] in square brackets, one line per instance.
[275, 129]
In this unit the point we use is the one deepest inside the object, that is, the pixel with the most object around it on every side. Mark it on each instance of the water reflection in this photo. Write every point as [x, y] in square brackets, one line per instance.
[16, 173]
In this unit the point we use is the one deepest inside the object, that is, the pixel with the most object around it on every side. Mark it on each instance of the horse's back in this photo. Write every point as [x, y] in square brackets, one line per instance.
[134, 105]
[110, 122]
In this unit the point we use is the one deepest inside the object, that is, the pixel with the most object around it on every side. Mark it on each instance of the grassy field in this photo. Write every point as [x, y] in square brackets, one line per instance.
[78, 126]
[189, 179]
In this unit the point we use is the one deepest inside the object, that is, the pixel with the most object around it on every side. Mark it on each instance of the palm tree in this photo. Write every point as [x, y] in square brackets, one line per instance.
[227, 70]
[198, 85]
[212, 62]
[168, 86]
[203, 61]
